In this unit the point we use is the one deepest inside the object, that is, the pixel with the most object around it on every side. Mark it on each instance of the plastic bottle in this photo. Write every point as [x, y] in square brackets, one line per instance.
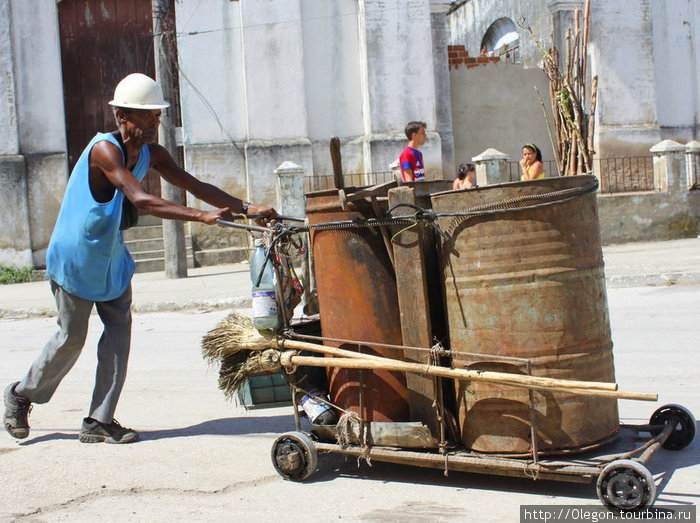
[318, 411]
[265, 313]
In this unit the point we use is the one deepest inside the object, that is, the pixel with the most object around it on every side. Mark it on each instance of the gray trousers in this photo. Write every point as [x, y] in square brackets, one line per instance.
[62, 350]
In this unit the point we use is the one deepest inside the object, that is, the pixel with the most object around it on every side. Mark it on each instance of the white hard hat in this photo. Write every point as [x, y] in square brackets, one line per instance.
[138, 91]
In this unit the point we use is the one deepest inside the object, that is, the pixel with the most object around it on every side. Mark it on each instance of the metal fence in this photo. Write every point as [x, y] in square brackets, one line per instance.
[550, 170]
[630, 174]
[694, 172]
[617, 175]
[323, 182]
[510, 54]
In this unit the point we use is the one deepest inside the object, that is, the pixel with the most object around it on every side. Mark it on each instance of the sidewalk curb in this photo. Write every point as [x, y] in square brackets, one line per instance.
[244, 302]
[140, 308]
[653, 280]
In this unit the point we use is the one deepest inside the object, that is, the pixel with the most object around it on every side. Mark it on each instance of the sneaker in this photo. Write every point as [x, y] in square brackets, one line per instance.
[17, 410]
[93, 431]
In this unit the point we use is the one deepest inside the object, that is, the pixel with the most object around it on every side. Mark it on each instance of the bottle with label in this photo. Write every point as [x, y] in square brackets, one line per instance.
[265, 313]
[317, 410]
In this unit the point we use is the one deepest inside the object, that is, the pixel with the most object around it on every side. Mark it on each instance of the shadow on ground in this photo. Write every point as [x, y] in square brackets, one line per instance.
[216, 427]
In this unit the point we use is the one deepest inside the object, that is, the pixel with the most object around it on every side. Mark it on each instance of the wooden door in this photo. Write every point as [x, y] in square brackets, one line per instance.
[101, 42]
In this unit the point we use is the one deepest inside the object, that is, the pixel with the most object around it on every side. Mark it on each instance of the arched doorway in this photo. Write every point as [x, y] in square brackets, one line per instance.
[501, 39]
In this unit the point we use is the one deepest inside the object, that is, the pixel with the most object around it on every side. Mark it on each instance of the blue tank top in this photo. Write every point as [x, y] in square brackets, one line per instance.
[87, 255]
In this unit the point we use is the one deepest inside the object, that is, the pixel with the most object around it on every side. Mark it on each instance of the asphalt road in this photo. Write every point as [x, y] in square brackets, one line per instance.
[201, 458]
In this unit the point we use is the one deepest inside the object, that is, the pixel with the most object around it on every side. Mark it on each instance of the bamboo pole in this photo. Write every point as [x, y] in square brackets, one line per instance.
[586, 17]
[515, 380]
[549, 131]
[591, 117]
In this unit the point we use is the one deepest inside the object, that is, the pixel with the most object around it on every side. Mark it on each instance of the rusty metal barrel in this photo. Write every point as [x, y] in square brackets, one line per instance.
[357, 301]
[525, 292]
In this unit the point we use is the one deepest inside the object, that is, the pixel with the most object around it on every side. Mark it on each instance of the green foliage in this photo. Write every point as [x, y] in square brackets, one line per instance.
[17, 274]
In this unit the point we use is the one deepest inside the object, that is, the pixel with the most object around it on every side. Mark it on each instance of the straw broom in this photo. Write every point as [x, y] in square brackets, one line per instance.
[237, 333]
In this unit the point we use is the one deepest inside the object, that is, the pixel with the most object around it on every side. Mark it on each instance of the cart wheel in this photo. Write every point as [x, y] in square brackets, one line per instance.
[626, 485]
[294, 456]
[684, 421]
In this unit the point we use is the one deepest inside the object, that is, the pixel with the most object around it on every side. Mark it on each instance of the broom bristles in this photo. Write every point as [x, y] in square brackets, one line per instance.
[239, 348]
[234, 333]
[255, 363]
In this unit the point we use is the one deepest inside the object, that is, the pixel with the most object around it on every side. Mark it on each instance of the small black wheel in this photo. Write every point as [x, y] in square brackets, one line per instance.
[626, 485]
[684, 421]
[294, 456]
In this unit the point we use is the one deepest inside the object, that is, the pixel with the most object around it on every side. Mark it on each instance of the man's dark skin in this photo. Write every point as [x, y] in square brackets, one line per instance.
[108, 172]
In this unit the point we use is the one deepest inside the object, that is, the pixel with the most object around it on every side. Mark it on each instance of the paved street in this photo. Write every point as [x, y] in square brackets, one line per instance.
[201, 458]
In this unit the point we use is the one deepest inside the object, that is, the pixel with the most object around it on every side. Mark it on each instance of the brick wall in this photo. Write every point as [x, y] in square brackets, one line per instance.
[457, 55]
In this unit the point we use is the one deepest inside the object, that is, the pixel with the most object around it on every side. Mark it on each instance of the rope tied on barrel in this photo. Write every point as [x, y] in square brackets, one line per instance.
[351, 429]
[423, 218]
[429, 218]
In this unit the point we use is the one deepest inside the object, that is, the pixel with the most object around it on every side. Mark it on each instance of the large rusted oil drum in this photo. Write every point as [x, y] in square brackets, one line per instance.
[357, 301]
[527, 283]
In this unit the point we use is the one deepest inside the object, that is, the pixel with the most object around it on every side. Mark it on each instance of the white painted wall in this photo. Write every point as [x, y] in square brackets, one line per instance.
[400, 68]
[332, 68]
[9, 140]
[211, 78]
[624, 62]
[37, 66]
[400, 81]
[33, 168]
[675, 63]
[495, 106]
[468, 24]
[274, 72]
[294, 73]
[645, 53]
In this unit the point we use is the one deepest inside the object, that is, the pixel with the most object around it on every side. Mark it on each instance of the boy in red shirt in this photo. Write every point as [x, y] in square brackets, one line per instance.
[411, 159]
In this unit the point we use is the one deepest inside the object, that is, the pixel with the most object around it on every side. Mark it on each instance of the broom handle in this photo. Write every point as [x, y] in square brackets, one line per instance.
[497, 377]
[282, 343]
[514, 380]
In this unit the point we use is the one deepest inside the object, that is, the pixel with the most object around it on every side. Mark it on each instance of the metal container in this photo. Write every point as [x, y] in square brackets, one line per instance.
[527, 282]
[358, 301]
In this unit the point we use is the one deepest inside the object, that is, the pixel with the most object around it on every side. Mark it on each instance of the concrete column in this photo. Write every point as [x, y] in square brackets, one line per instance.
[275, 80]
[563, 12]
[290, 189]
[395, 169]
[15, 248]
[491, 167]
[692, 163]
[441, 75]
[669, 167]
[15, 242]
[388, 66]
[9, 138]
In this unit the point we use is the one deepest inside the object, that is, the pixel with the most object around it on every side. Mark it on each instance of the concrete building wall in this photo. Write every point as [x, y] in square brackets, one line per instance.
[212, 89]
[670, 211]
[622, 57]
[443, 107]
[9, 138]
[496, 106]
[32, 137]
[308, 70]
[37, 62]
[332, 70]
[676, 37]
[265, 82]
[644, 52]
[399, 78]
[468, 22]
